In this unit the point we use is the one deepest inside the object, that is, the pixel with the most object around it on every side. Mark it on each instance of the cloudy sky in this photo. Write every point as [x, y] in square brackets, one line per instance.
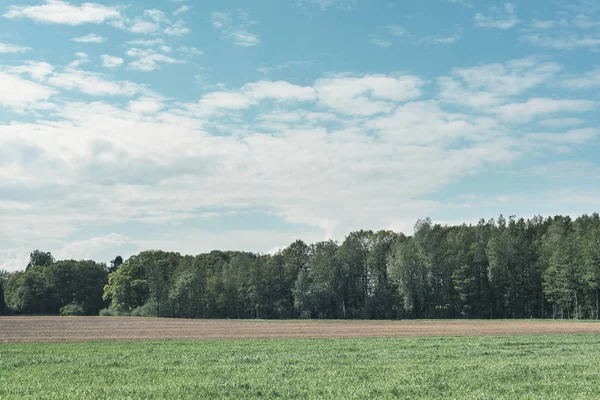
[222, 124]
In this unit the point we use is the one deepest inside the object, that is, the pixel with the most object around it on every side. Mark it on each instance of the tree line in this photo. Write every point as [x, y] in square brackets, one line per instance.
[515, 268]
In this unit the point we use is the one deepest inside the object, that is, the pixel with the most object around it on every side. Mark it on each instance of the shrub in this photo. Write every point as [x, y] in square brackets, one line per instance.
[72, 309]
[111, 312]
[149, 309]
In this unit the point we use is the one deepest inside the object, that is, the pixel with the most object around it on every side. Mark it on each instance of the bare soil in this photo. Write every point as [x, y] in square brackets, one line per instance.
[83, 329]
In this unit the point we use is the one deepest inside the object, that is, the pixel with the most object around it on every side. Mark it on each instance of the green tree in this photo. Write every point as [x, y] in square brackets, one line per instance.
[39, 258]
[2, 302]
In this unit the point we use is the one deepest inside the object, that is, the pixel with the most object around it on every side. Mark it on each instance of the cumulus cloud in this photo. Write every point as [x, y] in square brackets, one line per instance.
[149, 59]
[111, 61]
[62, 12]
[20, 94]
[346, 151]
[367, 95]
[177, 29]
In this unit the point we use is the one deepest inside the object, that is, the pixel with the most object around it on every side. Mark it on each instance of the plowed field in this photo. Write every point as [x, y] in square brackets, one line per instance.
[82, 329]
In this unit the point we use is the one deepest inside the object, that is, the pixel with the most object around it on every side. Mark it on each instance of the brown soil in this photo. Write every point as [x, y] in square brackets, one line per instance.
[82, 329]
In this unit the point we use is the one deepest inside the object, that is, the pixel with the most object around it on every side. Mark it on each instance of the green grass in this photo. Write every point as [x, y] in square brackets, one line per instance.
[512, 367]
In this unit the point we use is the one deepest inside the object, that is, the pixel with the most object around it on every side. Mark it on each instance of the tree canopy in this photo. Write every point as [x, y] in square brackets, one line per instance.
[504, 268]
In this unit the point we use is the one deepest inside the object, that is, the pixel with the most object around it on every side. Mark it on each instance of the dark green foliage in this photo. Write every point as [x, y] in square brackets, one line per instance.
[2, 302]
[45, 289]
[40, 259]
[72, 310]
[509, 268]
[115, 264]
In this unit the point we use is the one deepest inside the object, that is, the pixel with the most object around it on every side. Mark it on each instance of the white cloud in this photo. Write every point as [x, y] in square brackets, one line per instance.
[279, 90]
[562, 122]
[366, 95]
[325, 4]
[463, 3]
[502, 19]
[82, 58]
[244, 38]
[147, 43]
[148, 60]
[143, 27]
[91, 83]
[111, 61]
[150, 22]
[237, 32]
[145, 105]
[21, 94]
[62, 12]
[182, 10]
[220, 19]
[155, 15]
[190, 50]
[564, 42]
[102, 248]
[37, 70]
[91, 38]
[570, 30]
[526, 111]
[15, 259]
[177, 29]
[572, 137]
[440, 39]
[589, 80]
[12, 48]
[380, 42]
[396, 30]
[493, 84]
[309, 154]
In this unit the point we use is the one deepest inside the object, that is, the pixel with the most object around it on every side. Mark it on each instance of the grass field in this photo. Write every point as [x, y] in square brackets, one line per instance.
[492, 367]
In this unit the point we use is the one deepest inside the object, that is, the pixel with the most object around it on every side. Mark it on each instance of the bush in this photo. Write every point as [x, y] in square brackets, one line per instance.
[111, 312]
[150, 309]
[72, 309]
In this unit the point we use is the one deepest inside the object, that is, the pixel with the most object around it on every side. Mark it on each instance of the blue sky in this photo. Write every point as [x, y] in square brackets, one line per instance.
[191, 126]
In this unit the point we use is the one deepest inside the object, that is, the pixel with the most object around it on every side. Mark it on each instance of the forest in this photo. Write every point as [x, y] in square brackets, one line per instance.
[500, 268]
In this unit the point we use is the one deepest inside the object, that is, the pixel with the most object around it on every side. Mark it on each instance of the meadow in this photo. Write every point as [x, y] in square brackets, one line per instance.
[483, 367]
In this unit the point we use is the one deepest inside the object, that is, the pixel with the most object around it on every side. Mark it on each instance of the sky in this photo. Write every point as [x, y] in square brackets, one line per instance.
[244, 125]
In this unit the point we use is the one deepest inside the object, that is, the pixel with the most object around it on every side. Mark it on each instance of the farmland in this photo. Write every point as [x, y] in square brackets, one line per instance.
[78, 329]
[427, 359]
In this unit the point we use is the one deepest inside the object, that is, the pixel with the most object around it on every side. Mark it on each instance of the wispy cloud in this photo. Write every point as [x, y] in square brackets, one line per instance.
[589, 80]
[12, 48]
[494, 84]
[91, 38]
[504, 18]
[463, 3]
[380, 42]
[236, 30]
[182, 10]
[285, 65]
[396, 30]
[347, 5]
